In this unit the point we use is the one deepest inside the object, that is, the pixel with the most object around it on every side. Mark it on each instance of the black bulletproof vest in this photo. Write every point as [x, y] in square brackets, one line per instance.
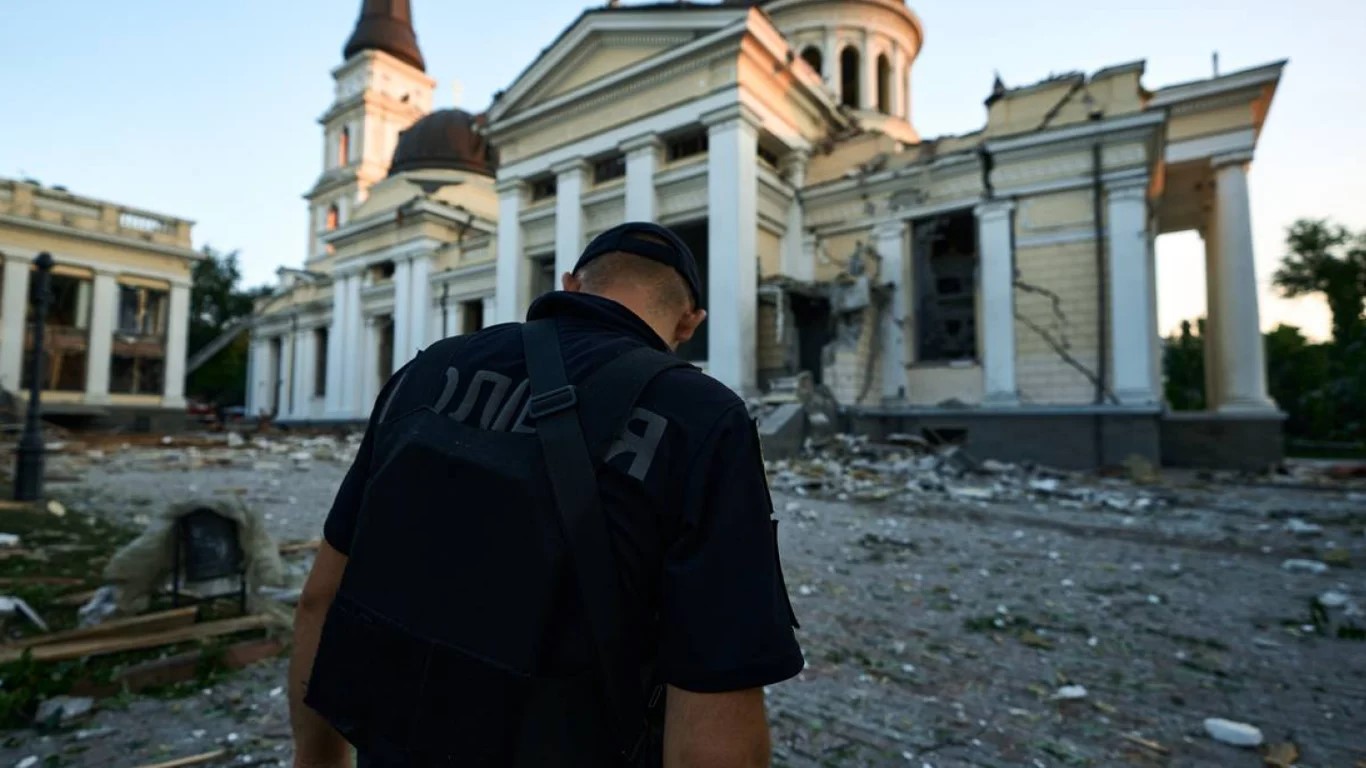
[459, 634]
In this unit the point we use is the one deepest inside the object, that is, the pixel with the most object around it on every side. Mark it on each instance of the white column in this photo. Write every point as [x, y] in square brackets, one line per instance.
[302, 374]
[263, 377]
[830, 66]
[489, 306]
[370, 382]
[732, 233]
[898, 86]
[403, 304]
[177, 340]
[867, 75]
[13, 310]
[1242, 354]
[335, 396]
[420, 296]
[996, 294]
[1132, 325]
[642, 155]
[891, 242]
[353, 407]
[104, 309]
[794, 264]
[569, 183]
[511, 268]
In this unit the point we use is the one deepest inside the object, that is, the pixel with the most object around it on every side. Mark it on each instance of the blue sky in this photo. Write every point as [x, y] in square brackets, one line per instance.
[208, 110]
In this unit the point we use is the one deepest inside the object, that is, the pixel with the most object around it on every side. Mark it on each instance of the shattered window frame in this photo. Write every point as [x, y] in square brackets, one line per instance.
[66, 334]
[137, 359]
[946, 262]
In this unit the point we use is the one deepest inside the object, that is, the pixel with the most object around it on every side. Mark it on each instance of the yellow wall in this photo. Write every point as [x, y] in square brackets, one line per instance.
[770, 253]
[1069, 271]
[1230, 118]
[119, 258]
[931, 385]
[603, 61]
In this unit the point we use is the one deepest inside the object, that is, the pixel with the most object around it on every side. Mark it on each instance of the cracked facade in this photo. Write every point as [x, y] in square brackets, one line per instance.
[999, 283]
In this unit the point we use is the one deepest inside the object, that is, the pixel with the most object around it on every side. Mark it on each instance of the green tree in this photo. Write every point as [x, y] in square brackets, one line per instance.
[1297, 373]
[1328, 259]
[1183, 362]
[216, 302]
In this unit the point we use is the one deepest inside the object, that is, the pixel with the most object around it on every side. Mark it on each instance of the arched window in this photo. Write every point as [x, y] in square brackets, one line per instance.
[333, 217]
[344, 147]
[849, 77]
[812, 55]
[884, 85]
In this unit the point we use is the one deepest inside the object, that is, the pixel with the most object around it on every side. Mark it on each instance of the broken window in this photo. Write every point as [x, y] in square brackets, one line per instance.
[945, 283]
[543, 188]
[66, 336]
[319, 362]
[849, 77]
[471, 316]
[381, 272]
[138, 357]
[609, 168]
[686, 145]
[812, 56]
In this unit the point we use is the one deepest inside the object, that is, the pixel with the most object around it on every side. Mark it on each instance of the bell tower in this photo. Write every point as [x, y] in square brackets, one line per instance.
[382, 87]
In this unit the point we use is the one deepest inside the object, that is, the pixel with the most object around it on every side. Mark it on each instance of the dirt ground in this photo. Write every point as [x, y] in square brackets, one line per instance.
[939, 625]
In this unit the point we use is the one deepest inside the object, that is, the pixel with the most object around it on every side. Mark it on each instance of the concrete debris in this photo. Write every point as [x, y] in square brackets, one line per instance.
[27, 762]
[906, 466]
[8, 540]
[9, 606]
[235, 440]
[102, 605]
[1299, 527]
[56, 509]
[1296, 565]
[1333, 599]
[1070, 693]
[1234, 733]
[60, 710]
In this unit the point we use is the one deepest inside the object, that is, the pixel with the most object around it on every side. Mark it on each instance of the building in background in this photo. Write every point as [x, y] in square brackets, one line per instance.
[114, 346]
[997, 287]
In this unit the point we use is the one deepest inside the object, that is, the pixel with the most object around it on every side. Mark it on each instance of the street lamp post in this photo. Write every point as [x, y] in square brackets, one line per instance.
[28, 465]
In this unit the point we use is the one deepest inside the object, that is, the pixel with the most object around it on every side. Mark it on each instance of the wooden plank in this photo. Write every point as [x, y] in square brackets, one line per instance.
[185, 762]
[108, 645]
[179, 668]
[40, 581]
[145, 624]
[300, 546]
[76, 598]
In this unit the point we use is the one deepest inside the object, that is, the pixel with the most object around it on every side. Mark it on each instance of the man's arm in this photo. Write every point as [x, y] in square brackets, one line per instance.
[715, 730]
[316, 744]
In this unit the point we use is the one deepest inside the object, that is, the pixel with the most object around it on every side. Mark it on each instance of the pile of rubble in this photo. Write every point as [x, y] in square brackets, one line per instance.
[268, 454]
[908, 467]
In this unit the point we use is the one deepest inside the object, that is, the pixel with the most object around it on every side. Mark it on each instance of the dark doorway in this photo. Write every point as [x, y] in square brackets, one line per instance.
[884, 85]
[811, 315]
[471, 316]
[694, 235]
[542, 275]
[385, 365]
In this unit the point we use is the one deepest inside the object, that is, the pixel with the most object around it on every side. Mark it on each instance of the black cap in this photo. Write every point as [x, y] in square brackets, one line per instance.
[624, 238]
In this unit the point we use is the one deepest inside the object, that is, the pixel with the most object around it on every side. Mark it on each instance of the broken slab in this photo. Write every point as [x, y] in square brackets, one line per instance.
[782, 430]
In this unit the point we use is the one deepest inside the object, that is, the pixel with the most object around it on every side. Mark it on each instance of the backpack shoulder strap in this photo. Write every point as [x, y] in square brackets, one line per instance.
[608, 397]
[573, 479]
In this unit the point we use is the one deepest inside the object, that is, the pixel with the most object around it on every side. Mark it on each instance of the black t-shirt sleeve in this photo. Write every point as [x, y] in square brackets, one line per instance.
[726, 623]
[340, 526]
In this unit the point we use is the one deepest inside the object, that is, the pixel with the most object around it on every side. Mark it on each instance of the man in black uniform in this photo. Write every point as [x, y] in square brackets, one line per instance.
[700, 602]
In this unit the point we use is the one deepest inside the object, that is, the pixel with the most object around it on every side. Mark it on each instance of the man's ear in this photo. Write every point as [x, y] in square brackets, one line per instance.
[687, 325]
[571, 283]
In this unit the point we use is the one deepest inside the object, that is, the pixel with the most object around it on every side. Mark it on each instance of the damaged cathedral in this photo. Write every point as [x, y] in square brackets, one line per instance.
[996, 288]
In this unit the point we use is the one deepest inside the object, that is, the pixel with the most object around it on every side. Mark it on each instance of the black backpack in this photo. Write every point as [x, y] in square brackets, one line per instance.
[478, 622]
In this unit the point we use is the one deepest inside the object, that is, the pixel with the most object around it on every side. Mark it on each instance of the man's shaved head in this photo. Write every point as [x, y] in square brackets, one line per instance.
[666, 288]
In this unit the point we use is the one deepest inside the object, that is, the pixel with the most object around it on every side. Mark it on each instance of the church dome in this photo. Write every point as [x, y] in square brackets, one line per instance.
[449, 138]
